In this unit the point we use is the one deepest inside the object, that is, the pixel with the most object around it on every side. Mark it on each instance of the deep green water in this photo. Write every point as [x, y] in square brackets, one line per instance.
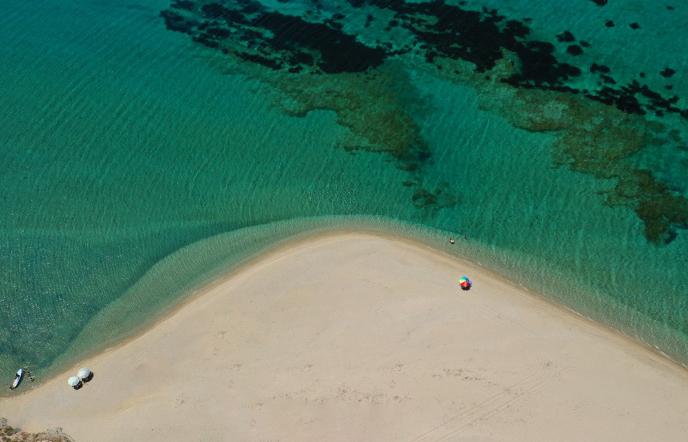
[137, 163]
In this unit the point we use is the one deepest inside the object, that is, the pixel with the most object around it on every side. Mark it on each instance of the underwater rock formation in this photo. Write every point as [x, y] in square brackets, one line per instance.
[322, 58]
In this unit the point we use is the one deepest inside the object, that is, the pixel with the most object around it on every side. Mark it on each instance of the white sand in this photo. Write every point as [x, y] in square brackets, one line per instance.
[356, 337]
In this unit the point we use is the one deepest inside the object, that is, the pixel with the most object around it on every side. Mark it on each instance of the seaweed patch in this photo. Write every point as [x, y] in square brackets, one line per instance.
[350, 55]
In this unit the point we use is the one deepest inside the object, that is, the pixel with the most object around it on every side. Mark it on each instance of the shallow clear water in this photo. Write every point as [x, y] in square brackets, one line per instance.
[138, 163]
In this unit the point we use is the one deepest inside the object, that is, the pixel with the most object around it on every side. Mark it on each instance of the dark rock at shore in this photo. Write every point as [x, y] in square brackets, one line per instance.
[11, 434]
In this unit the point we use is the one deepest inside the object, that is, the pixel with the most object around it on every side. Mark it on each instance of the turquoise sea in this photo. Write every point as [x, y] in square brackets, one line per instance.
[148, 146]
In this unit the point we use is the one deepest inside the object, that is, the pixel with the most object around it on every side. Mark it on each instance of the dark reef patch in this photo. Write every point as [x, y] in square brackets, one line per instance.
[183, 4]
[566, 37]
[278, 41]
[435, 199]
[438, 30]
[667, 72]
[574, 50]
[599, 68]
[601, 141]
[326, 59]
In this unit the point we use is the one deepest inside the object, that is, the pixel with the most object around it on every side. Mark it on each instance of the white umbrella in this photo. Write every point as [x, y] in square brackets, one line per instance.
[74, 382]
[85, 374]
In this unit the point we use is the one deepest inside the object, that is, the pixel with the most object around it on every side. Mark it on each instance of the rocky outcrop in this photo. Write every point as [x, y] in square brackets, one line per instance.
[12, 434]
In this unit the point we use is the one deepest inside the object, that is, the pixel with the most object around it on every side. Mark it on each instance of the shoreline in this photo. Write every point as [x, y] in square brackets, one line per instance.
[305, 237]
[308, 236]
[401, 256]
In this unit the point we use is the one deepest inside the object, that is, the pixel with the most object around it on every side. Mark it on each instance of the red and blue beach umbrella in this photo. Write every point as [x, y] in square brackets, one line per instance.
[465, 283]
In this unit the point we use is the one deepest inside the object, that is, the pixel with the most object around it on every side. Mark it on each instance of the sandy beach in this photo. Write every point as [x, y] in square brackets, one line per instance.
[359, 337]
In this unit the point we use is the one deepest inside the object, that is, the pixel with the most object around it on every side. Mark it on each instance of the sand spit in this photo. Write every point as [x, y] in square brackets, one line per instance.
[360, 337]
